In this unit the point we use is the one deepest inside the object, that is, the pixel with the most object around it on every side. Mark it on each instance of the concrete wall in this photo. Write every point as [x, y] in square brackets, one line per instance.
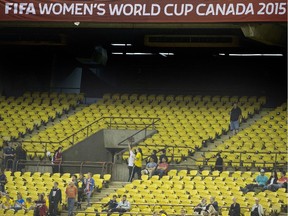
[90, 149]
[113, 137]
[101, 147]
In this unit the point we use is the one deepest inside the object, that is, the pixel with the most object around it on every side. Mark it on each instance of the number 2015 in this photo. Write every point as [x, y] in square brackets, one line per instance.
[272, 8]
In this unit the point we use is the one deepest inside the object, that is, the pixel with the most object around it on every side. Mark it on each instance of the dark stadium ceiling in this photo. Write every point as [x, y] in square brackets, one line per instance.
[149, 38]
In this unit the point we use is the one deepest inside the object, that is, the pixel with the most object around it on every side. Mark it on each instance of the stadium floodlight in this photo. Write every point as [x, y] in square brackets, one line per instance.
[120, 44]
[76, 23]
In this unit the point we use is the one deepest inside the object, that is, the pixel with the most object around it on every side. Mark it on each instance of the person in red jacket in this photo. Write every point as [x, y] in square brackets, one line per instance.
[57, 159]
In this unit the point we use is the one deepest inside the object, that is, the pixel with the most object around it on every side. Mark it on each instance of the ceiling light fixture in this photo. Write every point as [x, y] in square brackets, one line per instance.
[120, 44]
[251, 55]
[136, 53]
[166, 54]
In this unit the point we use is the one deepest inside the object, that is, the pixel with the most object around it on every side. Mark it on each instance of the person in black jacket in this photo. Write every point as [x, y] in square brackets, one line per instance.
[55, 197]
[234, 208]
[154, 156]
[219, 163]
[163, 155]
[111, 204]
[272, 180]
[20, 155]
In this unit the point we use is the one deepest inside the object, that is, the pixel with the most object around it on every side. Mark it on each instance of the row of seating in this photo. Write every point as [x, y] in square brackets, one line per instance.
[265, 136]
[207, 98]
[31, 184]
[20, 115]
[183, 188]
[181, 125]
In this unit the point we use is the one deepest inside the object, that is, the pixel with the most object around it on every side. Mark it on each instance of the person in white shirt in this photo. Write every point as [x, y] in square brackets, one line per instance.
[257, 209]
[123, 206]
[131, 160]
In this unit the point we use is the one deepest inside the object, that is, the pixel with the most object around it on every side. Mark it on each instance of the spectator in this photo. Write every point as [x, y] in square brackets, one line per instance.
[161, 168]
[3, 181]
[257, 209]
[154, 156]
[235, 115]
[19, 203]
[40, 206]
[57, 159]
[150, 167]
[281, 182]
[89, 187]
[272, 180]
[219, 163]
[163, 213]
[81, 187]
[123, 206]
[9, 156]
[71, 196]
[163, 155]
[74, 180]
[111, 204]
[183, 212]
[131, 160]
[20, 156]
[261, 181]
[55, 197]
[28, 204]
[7, 202]
[234, 208]
[137, 164]
[201, 206]
[215, 206]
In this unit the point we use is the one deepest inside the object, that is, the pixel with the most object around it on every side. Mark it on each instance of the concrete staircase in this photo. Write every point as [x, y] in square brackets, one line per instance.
[212, 146]
[113, 186]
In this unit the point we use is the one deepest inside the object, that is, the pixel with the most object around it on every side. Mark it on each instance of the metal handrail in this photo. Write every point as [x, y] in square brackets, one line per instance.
[86, 128]
[81, 164]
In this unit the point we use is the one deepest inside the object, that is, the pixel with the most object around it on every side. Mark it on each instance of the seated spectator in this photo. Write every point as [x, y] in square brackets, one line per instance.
[40, 206]
[215, 206]
[257, 209]
[234, 208]
[19, 203]
[261, 181]
[111, 204]
[150, 167]
[272, 180]
[28, 204]
[7, 202]
[201, 206]
[163, 155]
[123, 206]
[161, 168]
[204, 209]
[281, 183]
[154, 156]
[183, 212]
[163, 213]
